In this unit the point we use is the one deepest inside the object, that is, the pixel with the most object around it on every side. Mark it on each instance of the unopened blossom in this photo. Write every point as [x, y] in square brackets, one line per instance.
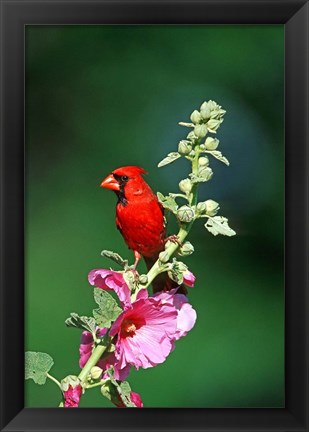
[72, 396]
[135, 398]
[188, 278]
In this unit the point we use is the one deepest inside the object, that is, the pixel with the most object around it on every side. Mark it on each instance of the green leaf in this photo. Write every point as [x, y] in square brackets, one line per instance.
[219, 225]
[123, 389]
[218, 155]
[108, 309]
[37, 365]
[168, 202]
[81, 322]
[171, 157]
[115, 257]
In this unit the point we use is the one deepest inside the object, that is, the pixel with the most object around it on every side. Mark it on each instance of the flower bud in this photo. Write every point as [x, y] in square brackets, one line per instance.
[203, 161]
[191, 136]
[200, 130]
[164, 257]
[202, 147]
[186, 249]
[143, 279]
[201, 207]
[195, 117]
[205, 172]
[185, 214]
[211, 143]
[214, 124]
[212, 207]
[184, 147]
[205, 113]
[185, 186]
[96, 372]
[189, 279]
[70, 380]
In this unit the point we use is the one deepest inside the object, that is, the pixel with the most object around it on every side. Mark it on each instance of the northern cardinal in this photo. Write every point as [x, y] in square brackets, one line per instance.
[140, 219]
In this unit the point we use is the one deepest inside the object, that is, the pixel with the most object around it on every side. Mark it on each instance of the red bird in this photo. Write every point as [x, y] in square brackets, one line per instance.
[140, 219]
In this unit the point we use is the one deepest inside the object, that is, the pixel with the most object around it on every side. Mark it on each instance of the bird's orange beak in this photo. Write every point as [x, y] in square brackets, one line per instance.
[110, 183]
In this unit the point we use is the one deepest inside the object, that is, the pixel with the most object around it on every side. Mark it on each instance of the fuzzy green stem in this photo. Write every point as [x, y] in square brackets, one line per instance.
[54, 380]
[184, 230]
[98, 384]
[92, 361]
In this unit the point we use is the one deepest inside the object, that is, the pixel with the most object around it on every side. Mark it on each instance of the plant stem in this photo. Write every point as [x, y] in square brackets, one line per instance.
[158, 267]
[92, 361]
[98, 384]
[54, 380]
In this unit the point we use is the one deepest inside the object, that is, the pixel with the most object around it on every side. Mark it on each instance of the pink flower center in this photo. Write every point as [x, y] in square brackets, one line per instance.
[130, 325]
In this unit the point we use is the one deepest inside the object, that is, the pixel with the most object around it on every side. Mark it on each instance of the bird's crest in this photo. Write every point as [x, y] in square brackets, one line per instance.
[129, 171]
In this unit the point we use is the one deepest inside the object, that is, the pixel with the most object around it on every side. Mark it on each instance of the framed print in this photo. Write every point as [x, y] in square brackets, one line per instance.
[131, 96]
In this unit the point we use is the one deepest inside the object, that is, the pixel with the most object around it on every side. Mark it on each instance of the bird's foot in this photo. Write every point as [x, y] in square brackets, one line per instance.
[137, 256]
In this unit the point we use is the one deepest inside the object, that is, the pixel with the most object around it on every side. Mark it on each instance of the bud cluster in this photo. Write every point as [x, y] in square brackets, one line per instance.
[207, 119]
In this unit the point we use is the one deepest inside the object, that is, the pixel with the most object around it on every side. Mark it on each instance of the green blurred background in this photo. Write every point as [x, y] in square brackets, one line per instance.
[100, 97]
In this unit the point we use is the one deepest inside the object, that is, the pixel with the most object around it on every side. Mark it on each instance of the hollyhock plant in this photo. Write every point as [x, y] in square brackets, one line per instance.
[137, 329]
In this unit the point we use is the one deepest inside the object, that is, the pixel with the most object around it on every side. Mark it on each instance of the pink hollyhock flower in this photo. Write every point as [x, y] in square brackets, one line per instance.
[146, 332]
[135, 398]
[186, 316]
[72, 396]
[85, 350]
[111, 281]
[188, 278]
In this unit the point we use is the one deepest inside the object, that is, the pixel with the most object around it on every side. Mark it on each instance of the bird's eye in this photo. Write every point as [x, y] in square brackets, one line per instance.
[124, 178]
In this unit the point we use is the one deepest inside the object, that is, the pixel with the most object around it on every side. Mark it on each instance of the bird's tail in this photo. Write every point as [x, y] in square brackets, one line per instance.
[162, 282]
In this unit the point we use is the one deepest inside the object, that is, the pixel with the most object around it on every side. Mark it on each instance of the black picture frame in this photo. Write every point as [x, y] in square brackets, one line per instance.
[15, 14]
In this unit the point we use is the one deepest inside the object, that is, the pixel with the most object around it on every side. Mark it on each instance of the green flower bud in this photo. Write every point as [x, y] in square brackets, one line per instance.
[200, 130]
[70, 380]
[96, 372]
[186, 249]
[195, 117]
[201, 207]
[202, 147]
[205, 113]
[203, 161]
[205, 172]
[143, 279]
[184, 147]
[185, 186]
[181, 266]
[191, 136]
[217, 113]
[214, 124]
[185, 214]
[211, 143]
[164, 257]
[212, 207]
[192, 153]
